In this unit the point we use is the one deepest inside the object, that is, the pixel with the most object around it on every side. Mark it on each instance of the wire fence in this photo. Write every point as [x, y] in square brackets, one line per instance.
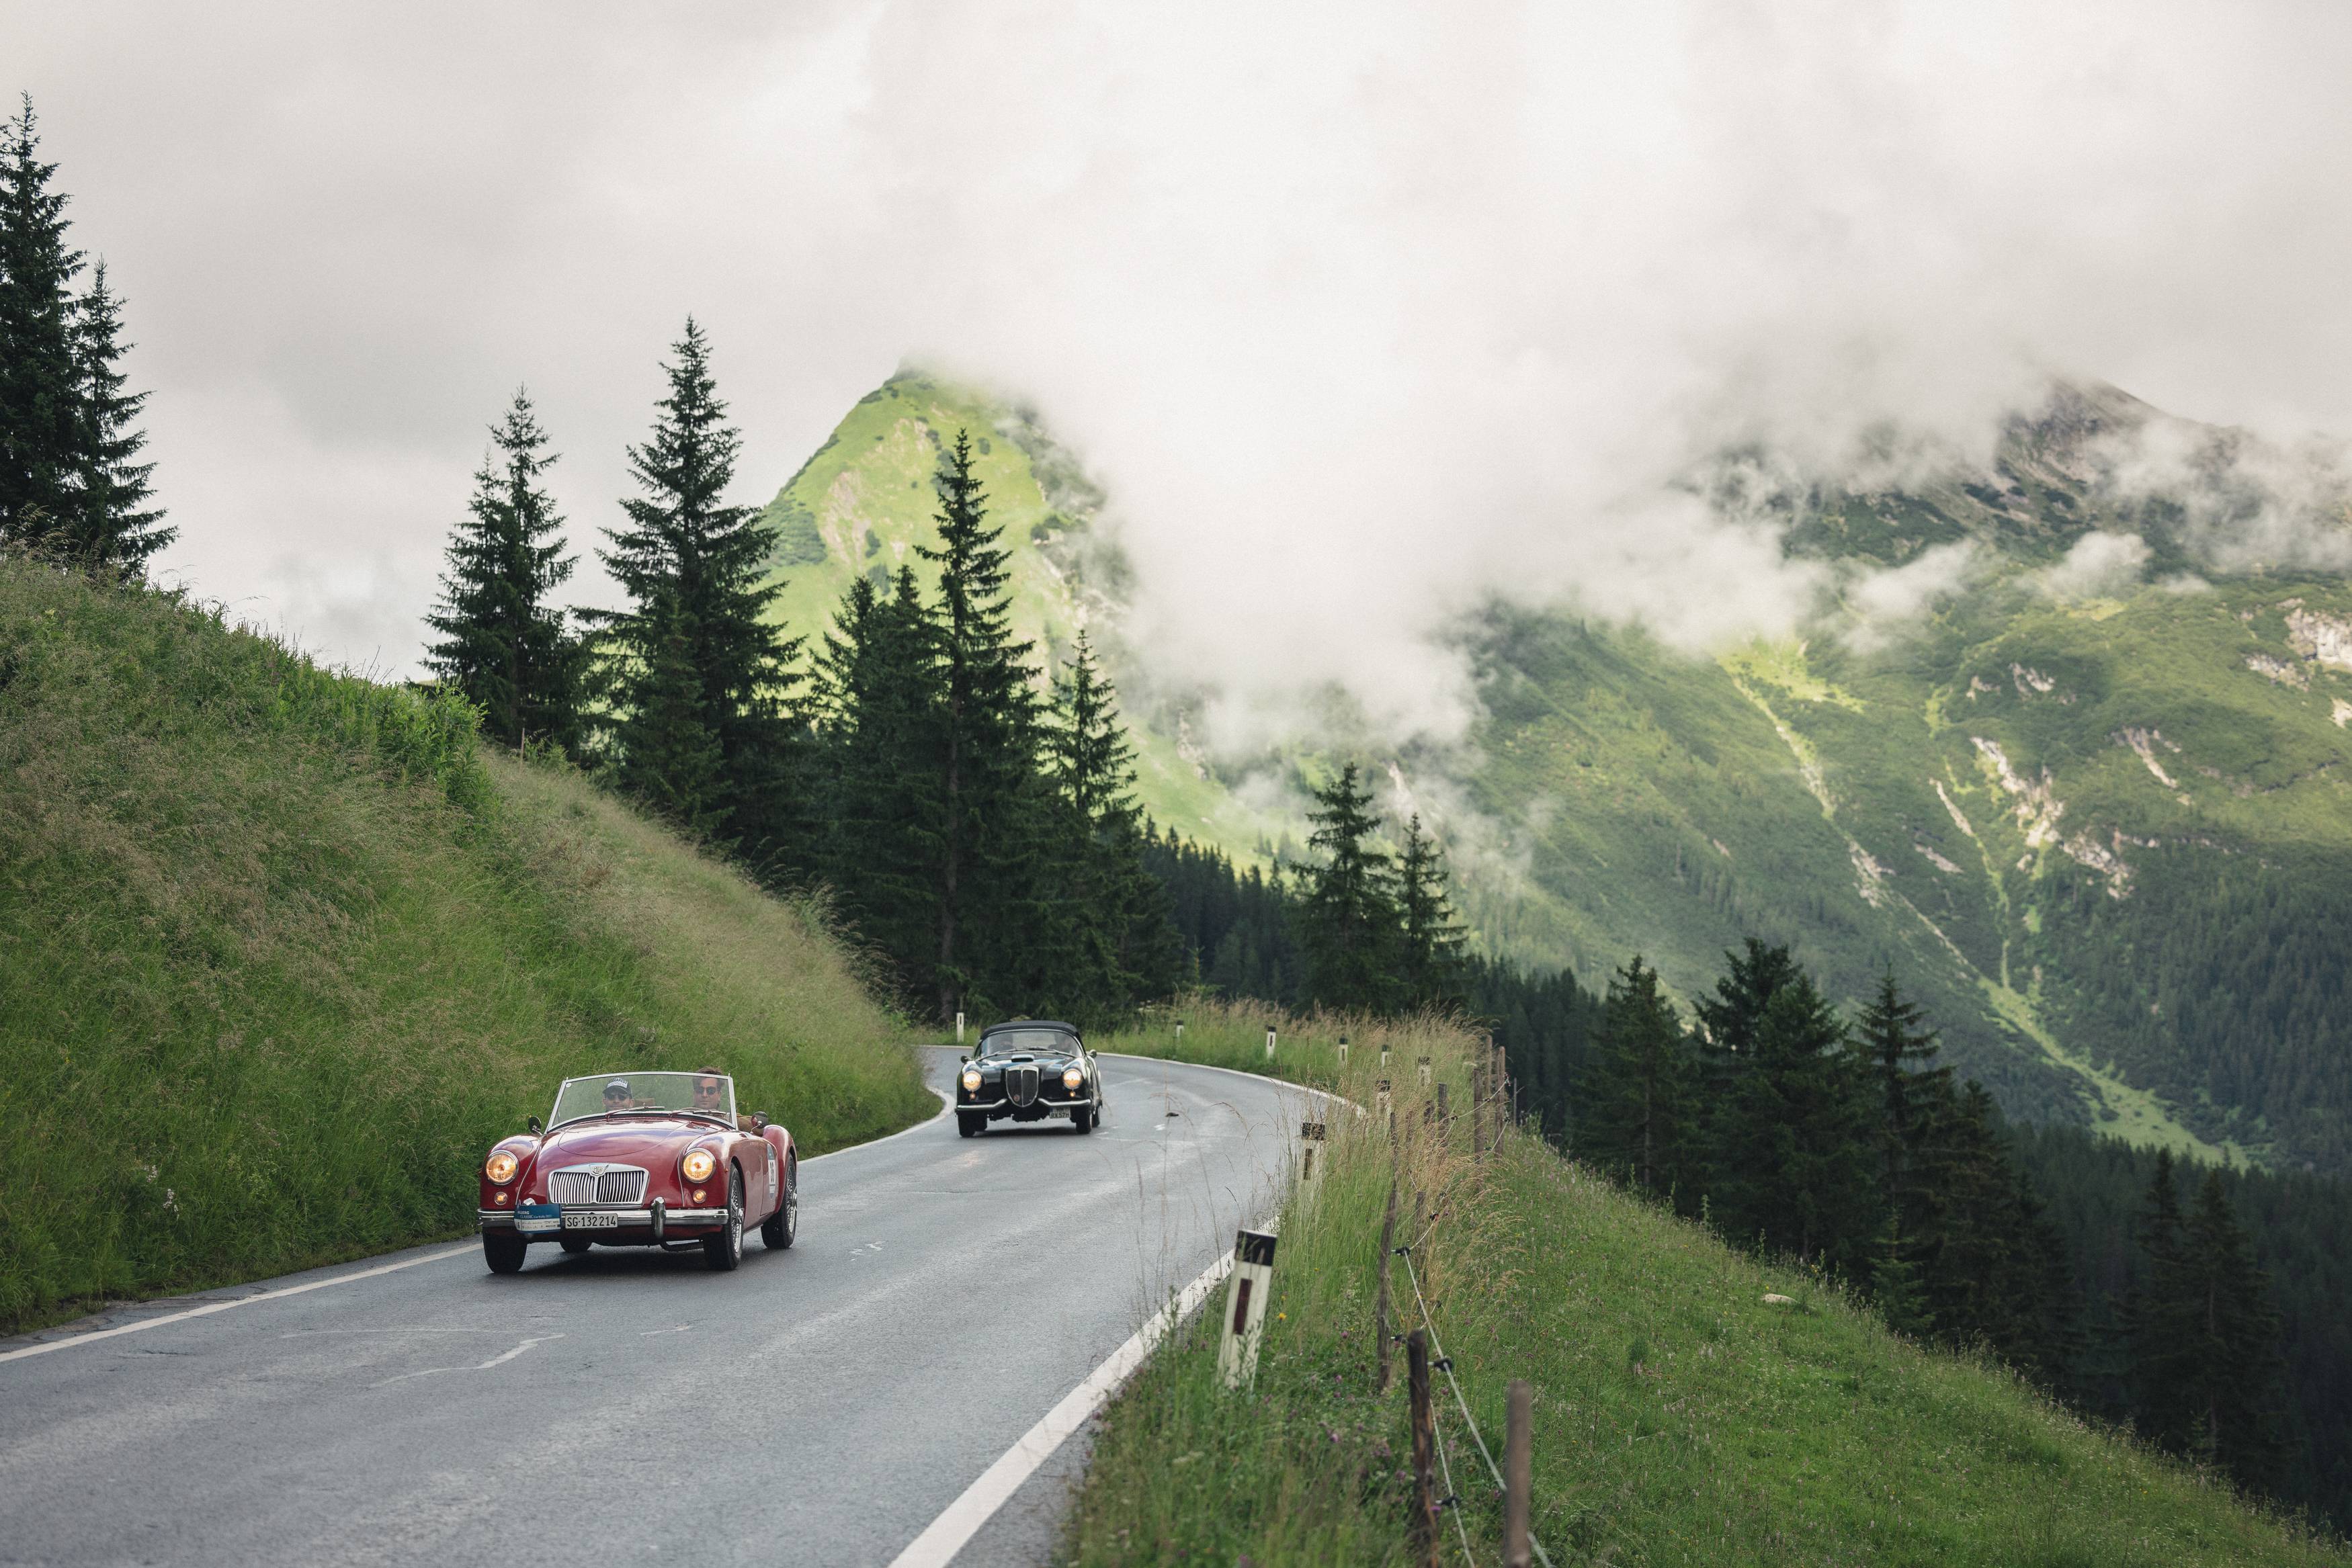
[1444, 1364]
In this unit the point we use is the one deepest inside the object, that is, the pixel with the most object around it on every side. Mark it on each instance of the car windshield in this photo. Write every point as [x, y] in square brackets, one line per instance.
[643, 1094]
[1028, 1042]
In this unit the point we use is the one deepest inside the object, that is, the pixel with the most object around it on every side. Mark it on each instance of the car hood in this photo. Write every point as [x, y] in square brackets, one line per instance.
[626, 1142]
[1055, 1059]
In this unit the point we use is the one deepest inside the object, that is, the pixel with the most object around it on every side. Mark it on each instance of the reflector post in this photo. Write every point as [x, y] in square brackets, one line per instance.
[1245, 1299]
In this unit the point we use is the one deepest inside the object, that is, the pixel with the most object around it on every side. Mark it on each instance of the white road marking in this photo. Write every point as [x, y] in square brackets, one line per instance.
[946, 1535]
[211, 1307]
[946, 1102]
[497, 1360]
[649, 1333]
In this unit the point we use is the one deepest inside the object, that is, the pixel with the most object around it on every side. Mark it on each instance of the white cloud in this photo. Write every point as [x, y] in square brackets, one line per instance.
[2096, 566]
[1884, 604]
[1366, 313]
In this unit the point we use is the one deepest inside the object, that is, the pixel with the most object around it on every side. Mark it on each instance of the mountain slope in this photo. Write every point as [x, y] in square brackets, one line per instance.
[1690, 1404]
[282, 952]
[863, 503]
[2091, 806]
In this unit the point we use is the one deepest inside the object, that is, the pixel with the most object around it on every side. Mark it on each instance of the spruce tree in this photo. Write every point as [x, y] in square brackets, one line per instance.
[670, 759]
[989, 798]
[1634, 1115]
[1728, 1023]
[691, 565]
[42, 426]
[878, 702]
[2157, 1316]
[2205, 1360]
[1908, 1090]
[1348, 914]
[503, 643]
[1119, 937]
[1429, 964]
[1794, 1143]
[112, 528]
[2239, 1394]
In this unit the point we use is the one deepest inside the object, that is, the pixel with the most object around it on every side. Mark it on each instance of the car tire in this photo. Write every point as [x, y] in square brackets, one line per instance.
[724, 1251]
[783, 1225]
[969, 1126]
[504, 1251]
[575, 1241]
[1083, 1119]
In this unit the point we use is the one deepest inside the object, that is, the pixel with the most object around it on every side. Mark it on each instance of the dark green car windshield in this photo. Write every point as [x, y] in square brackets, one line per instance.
[1028, 1042]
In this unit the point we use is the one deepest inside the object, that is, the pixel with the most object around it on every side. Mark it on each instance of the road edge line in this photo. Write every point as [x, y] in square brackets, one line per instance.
[92, 1336]
[947, 1534]
[211, 1307]
[947, 1102]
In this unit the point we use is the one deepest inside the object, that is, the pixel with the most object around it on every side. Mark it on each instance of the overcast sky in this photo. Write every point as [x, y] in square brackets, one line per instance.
[1361, 311]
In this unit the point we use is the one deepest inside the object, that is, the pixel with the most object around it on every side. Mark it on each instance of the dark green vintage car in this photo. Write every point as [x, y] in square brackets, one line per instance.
[1028, 1070]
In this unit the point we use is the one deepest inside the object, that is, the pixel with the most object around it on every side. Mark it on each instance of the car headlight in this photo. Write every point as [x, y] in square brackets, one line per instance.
[698, 1164]
[1073, 1076]
[500, 1166]
[972, 1079]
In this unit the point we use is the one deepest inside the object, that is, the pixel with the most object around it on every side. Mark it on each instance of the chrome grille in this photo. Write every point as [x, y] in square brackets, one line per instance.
[1021, 1083]
[597, 1183]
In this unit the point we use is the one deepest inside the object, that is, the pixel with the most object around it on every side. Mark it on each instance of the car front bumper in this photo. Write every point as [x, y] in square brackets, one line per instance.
[623, 1219]
[1036, 1111]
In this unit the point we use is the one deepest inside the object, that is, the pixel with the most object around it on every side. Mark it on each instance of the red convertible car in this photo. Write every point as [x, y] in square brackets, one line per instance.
[641, 1159]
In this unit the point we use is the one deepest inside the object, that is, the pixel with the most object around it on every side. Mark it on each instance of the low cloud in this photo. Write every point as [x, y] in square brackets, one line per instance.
[1367, 315]
[1883, 604]
[2096, 566]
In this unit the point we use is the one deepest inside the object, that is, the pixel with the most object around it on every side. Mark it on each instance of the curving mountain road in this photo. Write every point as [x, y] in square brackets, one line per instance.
[821, 1406]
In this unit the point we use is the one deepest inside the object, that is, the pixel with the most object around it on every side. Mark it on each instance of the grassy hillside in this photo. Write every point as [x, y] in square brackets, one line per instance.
[281, 952]
[2106, 840]
[864, 503]
[1680, 1417]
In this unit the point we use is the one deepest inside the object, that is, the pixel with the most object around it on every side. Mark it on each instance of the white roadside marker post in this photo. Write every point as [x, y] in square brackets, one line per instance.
[1311, 1160]
[1343, 1051]
[1245, 1307]
[1381, 1098]
[1179, 1028]
[1384, 1056]
[1269, 1042]
[1425, 1072]
[959, 1028]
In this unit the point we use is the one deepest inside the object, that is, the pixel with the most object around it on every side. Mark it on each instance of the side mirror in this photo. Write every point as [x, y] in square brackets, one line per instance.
[533, 1122]
[965, 1058]
[759, 1122]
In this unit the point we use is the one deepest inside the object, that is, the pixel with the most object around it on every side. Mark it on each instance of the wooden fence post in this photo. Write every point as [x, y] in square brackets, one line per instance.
[1518, 1468]
[1423, 1552]
[1381, 1303]
[1478, 1098]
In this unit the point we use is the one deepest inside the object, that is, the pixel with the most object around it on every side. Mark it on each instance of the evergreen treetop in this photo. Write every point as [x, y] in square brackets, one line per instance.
[1347, 913]
[43, 429]
[112, 526]
[990, 795]
[1429, 970]
[1637, 1105]
[503, 642]
[1897, 1050]
[691, 565]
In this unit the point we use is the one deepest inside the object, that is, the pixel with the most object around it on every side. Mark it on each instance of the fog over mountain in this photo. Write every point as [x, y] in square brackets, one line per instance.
[1362, 313]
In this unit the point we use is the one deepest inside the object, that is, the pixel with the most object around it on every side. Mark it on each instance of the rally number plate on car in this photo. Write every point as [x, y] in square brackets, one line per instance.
[592, 1221]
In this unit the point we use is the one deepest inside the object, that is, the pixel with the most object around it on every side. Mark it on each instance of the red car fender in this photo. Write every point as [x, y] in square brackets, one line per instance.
[781, 1143]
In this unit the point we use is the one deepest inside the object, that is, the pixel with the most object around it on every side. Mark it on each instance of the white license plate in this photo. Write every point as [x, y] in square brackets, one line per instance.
[592, 1222]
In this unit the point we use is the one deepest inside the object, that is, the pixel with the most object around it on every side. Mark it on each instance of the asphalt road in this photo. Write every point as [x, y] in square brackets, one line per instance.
[820, 1406]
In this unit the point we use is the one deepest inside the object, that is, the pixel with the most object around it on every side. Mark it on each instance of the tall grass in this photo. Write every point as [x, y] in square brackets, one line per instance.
[1679, 1417]
[281, 951]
